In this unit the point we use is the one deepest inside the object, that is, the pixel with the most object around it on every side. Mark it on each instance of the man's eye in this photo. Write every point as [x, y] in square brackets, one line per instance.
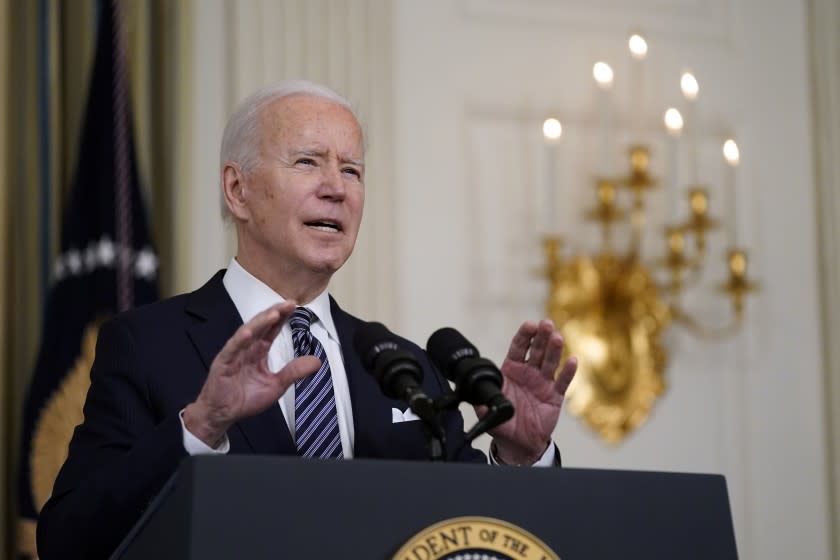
[305, 161]
[352, 171]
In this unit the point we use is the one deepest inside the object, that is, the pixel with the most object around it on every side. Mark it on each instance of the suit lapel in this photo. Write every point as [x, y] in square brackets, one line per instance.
[376, 434]
[371, 410]
[218, 319]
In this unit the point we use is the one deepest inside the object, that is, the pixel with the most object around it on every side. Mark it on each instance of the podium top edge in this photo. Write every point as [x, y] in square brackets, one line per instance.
[386, 464]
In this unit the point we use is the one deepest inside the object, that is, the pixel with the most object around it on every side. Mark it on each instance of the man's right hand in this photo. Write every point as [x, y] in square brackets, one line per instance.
[240, 383]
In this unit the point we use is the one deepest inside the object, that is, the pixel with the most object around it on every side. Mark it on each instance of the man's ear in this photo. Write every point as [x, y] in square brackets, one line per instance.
[234, 191]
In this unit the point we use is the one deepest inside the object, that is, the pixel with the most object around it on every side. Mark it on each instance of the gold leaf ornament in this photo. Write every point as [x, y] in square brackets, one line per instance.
[59, 418]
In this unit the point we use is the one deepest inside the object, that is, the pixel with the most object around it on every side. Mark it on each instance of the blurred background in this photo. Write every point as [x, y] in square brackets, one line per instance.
[474, 218]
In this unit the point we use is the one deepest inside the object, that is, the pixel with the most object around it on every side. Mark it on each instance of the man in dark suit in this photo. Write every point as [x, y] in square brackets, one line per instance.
[260, 359]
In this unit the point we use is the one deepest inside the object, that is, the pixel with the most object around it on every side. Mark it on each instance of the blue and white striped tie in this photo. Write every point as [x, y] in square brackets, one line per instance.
[316, 420]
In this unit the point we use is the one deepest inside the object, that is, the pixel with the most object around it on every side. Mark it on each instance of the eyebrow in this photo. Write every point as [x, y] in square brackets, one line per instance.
[359, 163]
[319, 152]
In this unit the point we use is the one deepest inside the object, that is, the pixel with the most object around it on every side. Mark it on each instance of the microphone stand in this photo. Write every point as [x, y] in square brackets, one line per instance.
[426, 409]
[437, 449]
[498, 413]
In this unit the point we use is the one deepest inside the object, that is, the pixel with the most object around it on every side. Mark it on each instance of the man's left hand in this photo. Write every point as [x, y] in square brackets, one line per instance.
[536, 389]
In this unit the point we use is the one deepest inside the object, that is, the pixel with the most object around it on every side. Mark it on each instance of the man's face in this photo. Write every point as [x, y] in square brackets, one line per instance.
[306, 197]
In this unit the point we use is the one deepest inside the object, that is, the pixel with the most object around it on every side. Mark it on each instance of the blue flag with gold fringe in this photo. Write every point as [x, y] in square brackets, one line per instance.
[106, 265]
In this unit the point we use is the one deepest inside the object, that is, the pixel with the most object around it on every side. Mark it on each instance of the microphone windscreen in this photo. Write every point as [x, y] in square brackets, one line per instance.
[370, 340]
[446, 347]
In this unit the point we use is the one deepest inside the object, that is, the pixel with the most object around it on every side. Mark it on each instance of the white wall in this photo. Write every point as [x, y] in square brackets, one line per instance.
[454, 236]
[473, 81]
[203, 244]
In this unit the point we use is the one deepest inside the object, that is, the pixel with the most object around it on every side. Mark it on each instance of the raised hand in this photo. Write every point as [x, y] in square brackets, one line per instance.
[530, 384]
[240, 383]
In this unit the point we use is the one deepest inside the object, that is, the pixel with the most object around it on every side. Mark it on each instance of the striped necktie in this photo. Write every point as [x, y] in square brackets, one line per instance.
[316, 419]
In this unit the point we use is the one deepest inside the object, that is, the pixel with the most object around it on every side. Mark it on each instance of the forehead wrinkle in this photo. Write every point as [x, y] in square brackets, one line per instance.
[283, 126]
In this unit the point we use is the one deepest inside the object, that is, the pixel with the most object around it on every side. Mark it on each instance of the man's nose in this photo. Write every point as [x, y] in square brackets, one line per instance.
[332, 183]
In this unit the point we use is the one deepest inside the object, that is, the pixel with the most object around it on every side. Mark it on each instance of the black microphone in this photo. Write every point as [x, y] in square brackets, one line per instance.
[477, 380]
[398, 372]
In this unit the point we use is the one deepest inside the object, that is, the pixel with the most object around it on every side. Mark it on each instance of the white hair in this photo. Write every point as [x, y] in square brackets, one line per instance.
[241, 138]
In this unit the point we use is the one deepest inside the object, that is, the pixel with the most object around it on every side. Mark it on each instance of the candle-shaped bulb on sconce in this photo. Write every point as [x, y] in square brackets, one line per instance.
[689, 86]
[673, 122]
[732, 156]
[731, 153]
[638, 46]
[603, 75]
[674, 125]
[638, 50]
[552, 131]
[690, 89]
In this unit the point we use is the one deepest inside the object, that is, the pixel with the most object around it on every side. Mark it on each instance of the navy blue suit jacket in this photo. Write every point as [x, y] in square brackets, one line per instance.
[150, 363]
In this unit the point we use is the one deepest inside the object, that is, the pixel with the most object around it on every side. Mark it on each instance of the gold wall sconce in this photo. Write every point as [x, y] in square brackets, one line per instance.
[614, 305]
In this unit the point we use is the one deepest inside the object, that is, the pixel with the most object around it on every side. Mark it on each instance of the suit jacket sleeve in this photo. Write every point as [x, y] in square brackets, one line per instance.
[118, 458]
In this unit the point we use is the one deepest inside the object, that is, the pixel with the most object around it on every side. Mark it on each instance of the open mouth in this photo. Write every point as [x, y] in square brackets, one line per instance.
[325, 225]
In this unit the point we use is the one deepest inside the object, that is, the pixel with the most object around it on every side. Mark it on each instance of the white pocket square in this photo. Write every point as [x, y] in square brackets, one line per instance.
[399, 416]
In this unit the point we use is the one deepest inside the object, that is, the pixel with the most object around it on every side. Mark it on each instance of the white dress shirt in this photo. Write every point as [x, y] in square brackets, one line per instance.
[251, 296]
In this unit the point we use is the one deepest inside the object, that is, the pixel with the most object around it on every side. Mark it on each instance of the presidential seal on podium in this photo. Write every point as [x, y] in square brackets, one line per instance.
[474, 538]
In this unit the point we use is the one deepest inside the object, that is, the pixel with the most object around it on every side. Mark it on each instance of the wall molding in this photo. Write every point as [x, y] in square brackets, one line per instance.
[202, 243]
[710, 20]
[824, 20]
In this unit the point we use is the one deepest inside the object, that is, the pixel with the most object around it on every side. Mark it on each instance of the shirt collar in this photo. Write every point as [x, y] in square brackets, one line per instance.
[251, 296]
